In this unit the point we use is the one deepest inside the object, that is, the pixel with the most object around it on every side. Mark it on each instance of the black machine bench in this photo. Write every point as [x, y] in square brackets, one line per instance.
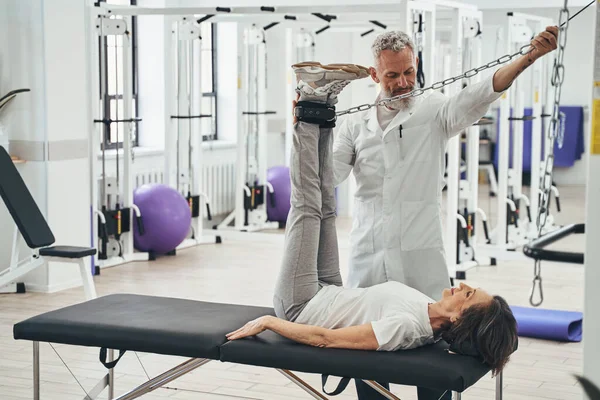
[32, 226]
[197, 329]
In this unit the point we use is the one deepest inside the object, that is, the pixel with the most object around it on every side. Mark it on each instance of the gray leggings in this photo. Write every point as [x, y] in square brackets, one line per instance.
[311, 257]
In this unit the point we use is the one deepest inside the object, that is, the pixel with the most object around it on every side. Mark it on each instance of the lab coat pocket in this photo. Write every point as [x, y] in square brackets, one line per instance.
[421, 227]
[362, 238]
[415, 144]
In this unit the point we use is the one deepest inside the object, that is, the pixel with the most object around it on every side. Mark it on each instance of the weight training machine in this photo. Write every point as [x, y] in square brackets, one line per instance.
[591, 256]
[253, 189]
[462, 236]
[112, 210]
[420, 23]
[515, 217]
[183, 133]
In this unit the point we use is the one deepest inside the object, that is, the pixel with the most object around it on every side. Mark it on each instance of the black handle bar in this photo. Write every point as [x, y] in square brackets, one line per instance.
[536, 249]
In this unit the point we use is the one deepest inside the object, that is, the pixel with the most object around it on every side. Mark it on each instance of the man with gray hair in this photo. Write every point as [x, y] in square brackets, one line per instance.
[397, 155]
[394, 43]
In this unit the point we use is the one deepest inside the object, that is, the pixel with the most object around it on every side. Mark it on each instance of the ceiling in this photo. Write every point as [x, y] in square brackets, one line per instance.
[480, 4]
[508, 4]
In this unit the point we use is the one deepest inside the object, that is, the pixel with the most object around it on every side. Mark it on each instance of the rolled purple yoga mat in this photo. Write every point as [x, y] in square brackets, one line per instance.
[564, 326]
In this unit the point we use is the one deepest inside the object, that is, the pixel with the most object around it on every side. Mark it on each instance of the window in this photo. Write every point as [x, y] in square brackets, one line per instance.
[113, 86]
[208, 81]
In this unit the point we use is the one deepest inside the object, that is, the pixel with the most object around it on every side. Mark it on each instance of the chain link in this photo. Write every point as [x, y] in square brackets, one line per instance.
[438, 85]
[555, 128]
[556, 132]
[537, 282]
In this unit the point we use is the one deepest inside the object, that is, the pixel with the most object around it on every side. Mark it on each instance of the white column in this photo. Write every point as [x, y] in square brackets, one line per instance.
[196, 154]
[503, 154]
[152, 40]
[290, 84]
[473, 145]
[170, 40]
[66, 85]
[517, 143]
[591, 325]
[430, 48]
[536, 142]
[406, 23]
[262, 138]
[94, 129]
[184, 103]
[242, 126]
[127, 188]
[453, 150]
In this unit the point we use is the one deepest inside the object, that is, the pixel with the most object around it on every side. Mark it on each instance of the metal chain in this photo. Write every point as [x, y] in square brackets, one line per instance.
[556, 133]
[537, 281]
[526, 49]
[554, 127]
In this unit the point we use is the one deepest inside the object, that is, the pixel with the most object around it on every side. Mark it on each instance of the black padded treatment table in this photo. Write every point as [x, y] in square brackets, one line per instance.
[197, 329]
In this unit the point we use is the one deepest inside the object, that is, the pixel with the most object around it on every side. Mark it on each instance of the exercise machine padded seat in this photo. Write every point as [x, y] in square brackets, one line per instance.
[67, 251]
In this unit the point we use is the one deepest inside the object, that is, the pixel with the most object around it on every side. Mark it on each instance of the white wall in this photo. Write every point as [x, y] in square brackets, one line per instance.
[151, 75]
[152, 79]
[67, 122]
[43, 47]
[578, 62]
[227, 84]
[21, 66]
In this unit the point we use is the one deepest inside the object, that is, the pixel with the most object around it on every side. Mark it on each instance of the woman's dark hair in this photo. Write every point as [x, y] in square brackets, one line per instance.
[490, 329]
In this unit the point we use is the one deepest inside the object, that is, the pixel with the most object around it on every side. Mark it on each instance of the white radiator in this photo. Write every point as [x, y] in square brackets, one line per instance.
[218, 182]
[146, 177]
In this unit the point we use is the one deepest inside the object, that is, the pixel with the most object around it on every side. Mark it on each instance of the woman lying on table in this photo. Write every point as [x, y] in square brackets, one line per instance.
[313, 307]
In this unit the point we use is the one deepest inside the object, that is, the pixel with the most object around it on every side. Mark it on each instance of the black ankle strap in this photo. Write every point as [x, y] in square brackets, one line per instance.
[315, 113]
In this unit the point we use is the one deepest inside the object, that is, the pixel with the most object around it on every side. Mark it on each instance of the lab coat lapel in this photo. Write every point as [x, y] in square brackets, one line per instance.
[399, 119]
[371, 120]
[373, 123]
[402, 117]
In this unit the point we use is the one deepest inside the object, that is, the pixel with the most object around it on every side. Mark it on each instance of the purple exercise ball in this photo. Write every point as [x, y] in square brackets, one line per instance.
[279, 177]
[166, 217]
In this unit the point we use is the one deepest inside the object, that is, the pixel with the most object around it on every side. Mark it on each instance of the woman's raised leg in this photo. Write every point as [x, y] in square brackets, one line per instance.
[328, 260]
[298, 280]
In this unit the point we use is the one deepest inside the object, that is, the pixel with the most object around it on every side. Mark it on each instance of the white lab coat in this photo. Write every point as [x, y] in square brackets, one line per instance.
[397, 223]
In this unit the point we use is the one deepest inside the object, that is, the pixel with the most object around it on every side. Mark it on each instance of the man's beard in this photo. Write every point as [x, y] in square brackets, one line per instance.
[401, 104]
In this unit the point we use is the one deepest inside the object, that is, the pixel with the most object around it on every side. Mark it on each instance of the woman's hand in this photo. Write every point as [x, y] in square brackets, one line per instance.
[252, 328]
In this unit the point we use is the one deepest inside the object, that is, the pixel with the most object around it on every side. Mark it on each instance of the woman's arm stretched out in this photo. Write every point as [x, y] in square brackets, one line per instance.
[361, 337]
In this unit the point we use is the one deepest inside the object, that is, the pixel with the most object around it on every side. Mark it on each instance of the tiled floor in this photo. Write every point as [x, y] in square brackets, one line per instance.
[244, 272]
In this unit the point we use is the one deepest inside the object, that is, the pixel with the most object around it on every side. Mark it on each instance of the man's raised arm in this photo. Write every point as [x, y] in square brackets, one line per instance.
[470, 104]
[542, 44]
